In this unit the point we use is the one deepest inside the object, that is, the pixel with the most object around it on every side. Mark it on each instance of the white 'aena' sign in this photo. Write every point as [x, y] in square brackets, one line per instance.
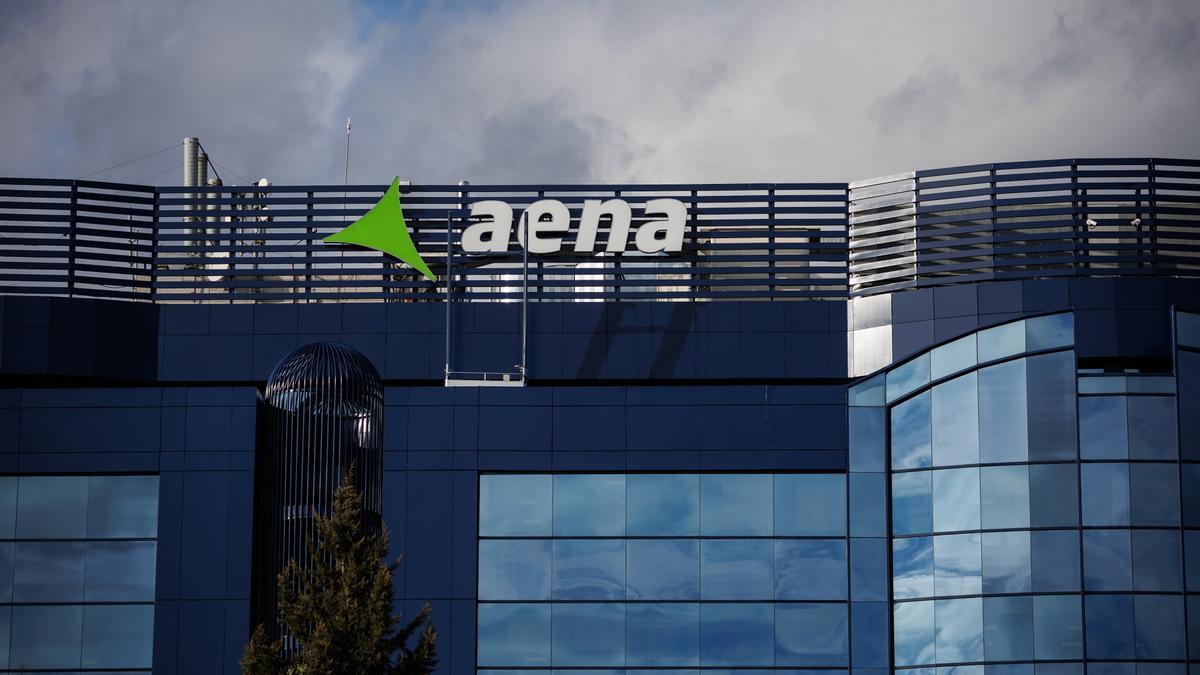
[548, 219]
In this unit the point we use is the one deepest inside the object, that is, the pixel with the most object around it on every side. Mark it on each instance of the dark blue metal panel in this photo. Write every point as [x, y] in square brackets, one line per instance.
[428, 551]
[205, 535]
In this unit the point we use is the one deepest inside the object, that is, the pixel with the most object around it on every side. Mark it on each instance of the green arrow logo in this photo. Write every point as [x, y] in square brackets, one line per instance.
[383, 229]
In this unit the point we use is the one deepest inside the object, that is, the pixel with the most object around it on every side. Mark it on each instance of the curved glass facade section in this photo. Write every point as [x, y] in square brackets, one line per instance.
[77, 572]
[1039, 514]
[664, 571]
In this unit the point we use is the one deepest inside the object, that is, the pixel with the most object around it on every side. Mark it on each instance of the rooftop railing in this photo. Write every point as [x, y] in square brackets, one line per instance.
[768, 241]
[1025, 220]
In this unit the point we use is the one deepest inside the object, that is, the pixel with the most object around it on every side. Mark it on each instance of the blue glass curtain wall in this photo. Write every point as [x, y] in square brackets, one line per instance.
[686, 571]
[77, 571]
[1038, 514]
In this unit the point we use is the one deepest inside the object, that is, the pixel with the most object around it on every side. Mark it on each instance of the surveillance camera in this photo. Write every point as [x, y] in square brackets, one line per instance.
[1091, 224]
[1136, 222]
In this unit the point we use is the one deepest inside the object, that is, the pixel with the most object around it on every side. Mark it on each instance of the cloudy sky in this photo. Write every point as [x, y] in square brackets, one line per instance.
[555, 91]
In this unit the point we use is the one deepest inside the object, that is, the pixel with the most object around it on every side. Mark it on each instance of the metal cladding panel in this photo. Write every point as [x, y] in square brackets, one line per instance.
[323, 415]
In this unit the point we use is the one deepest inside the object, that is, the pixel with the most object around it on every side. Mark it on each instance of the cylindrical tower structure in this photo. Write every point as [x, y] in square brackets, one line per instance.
[321, 416]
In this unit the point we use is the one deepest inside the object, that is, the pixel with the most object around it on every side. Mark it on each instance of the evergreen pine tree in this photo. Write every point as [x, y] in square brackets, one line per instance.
[337, 610]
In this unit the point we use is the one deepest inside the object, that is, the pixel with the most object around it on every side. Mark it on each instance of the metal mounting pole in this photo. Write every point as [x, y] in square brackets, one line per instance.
[449, 277]
[524, 296]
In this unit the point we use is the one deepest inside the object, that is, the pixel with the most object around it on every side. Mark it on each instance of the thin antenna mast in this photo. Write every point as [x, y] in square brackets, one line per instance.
[346, 175]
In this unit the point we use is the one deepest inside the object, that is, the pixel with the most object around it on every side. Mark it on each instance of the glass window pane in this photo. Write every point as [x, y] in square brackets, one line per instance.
[48, 571]
[1003, 425]
[514, 634]
[1162, 669]
[1048, 332]
[589, 569]
[8, 506]
[1187, 328]
[959, 630]
[1001, 341]
[1154, 494]
[1191, 494]
[514, 570]
[868, 392]
[122, 506]
[1058, 627]
[868, 505]
[957, 568]
[514, 506]
[118, 636]
[1004, 494]
[1191, 541]
[811, 634]
[955, 500]
[1097, 668]
[736, 505]
[1158, 627]
[868, 569]
[1102, 428]
[1055, 560]
[667, 569]
[810, 569]
[52, 507]
[7, 551]
[736, 569]
[870, 635]
[1152, 427]
[912, 503]
[1006, 562]
[737, 634]
[912, 568]
[1156, 557]
[1187, 366]
[663, 635]
[913, 626]
[1008, 628]
[46, 636]
[1107, 561]
[1053, 495]
[589, 634]
[663, 504]
[1006, 669]
[956, 421]
[1109, 623]
[912, 436]
[1051, 412]
[1193, 612]
[1105, 490]
[908, 377]
[867, 447]
[811, 504]
[120, 571]
[589, 505]
[5, 631]
[952, 357]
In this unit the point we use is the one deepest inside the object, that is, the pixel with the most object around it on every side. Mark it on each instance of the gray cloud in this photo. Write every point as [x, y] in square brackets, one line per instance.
[593, 91]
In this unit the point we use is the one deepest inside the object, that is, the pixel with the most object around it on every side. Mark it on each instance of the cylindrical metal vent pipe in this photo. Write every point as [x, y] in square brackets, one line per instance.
[201, 169]
[322, 414]
[191, 147]
[191, 155]
[212, 208]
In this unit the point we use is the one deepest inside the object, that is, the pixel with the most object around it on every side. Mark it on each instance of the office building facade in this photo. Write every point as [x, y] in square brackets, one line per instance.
[944, 420]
